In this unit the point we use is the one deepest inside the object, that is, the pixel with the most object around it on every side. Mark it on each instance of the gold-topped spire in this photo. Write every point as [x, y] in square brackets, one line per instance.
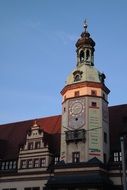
[85, 25]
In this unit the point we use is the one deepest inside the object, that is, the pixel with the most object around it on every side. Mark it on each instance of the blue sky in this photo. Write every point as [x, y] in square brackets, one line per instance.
[37, 52]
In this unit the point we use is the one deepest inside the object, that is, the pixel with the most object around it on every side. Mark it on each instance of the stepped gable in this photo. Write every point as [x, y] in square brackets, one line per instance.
[13, 135]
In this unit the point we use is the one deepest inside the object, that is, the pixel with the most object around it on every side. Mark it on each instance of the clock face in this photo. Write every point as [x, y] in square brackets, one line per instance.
[76, 117]
[76, 108]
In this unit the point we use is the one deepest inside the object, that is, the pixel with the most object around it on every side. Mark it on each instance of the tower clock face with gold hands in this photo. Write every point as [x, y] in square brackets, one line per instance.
[76, 117]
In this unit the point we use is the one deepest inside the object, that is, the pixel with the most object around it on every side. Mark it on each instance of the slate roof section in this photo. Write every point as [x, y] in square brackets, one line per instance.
[89, 179]
[13, 135]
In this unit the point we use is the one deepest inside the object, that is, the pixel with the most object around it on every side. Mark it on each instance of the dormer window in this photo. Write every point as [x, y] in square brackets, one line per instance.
[77, 75]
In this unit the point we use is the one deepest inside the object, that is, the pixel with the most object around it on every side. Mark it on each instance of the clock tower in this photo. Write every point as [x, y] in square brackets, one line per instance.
[85, 122]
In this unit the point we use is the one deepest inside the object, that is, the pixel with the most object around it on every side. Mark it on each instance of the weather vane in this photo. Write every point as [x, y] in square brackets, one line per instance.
[85, 25]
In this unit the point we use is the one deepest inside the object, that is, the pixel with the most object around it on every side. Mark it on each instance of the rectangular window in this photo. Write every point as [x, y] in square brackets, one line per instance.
[30, 163]
[94, 104]
[14, 165]
[43, 162]
[23, 164]
[116, 157]
[76, 93]
[3, 166]
[76, 157]
[56, 159]
[6, 165]
[105, 158]
[10, 165]
[120, 156]
[105, 137]
[36, 163]
[37, 145]
[93, 92]
[30, 145]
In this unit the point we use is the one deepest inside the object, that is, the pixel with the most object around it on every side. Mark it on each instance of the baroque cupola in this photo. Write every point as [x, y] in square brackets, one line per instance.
[85, 70]
[85, 48]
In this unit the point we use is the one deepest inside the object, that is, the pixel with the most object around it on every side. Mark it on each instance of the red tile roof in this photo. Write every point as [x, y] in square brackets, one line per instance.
[13, 135]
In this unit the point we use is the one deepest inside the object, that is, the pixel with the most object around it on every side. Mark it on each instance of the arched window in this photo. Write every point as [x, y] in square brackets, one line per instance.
[87, 54]
[81, 56]
[77, 77]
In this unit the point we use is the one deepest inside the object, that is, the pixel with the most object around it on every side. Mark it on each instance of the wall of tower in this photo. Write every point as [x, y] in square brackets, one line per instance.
[94, 118]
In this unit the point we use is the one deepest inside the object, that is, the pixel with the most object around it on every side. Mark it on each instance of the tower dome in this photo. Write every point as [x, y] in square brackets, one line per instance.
[85, 39]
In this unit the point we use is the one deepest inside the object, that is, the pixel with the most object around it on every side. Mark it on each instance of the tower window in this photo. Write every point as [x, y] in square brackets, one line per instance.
[77, 75]
[93, 92]
[76, 157]
[64, 109]
[76, 93]
[104, 96]
[94, 104]
[81, 56]
[87, 54]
